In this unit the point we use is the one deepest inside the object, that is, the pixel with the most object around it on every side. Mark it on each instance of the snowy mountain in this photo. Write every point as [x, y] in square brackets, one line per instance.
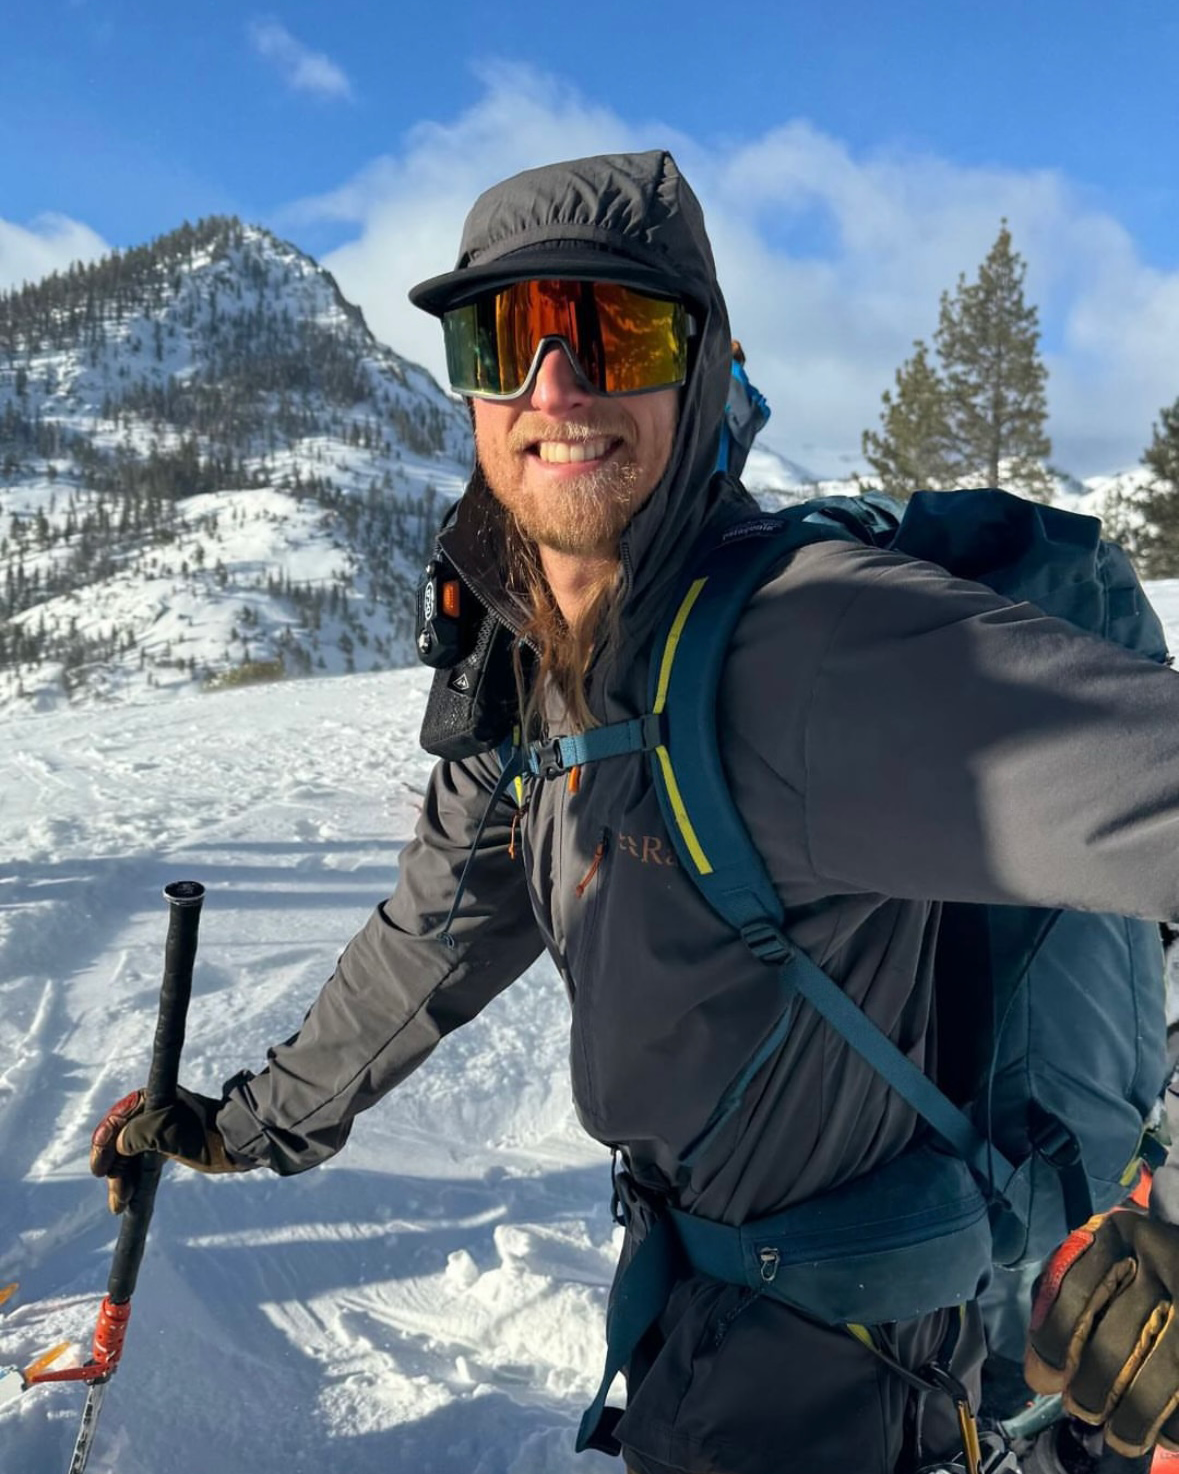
[770, 474]
[212, 473]
[1109, 497]
[209, 470]
[777, 481]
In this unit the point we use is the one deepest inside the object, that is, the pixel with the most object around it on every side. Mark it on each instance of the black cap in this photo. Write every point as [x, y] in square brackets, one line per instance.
[561, 258]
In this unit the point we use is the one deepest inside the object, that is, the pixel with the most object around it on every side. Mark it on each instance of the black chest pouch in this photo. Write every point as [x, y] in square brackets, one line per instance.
[472, 705]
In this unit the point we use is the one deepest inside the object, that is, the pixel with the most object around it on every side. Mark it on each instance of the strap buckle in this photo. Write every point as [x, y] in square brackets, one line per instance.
[550, 759]
[653, 726]
[767, 942]
[544, 759]
[1052, 1139]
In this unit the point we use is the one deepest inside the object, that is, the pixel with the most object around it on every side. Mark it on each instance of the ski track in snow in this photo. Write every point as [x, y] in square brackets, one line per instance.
[433, 1298]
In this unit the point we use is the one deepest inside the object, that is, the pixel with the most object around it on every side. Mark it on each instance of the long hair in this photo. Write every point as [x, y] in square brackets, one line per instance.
[563, 649]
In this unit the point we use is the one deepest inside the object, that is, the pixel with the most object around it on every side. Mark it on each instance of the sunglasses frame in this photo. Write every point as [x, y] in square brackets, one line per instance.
[691, 330]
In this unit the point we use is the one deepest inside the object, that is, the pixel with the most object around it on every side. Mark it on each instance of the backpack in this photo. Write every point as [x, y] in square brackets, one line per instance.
[1046, 1117]
[747, 412]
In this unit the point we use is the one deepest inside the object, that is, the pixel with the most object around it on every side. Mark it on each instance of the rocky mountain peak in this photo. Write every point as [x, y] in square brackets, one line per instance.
[202, 434]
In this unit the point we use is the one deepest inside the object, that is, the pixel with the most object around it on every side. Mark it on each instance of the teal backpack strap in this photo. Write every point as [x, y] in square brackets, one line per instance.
[711, 838]
[552, 758]
[640, 1297]
[715, 849]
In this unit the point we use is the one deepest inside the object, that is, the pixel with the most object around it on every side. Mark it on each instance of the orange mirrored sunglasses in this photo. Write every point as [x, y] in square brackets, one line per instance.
[620, 341]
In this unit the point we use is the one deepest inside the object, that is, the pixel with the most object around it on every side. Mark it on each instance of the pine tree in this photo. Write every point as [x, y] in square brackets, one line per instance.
[913, 449]
[987, 341]
[1158, 541]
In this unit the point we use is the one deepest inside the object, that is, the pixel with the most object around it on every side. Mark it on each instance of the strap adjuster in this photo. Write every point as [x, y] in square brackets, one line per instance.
[550, 760]
[767, 942]
[653, 727]
[1052, 1139]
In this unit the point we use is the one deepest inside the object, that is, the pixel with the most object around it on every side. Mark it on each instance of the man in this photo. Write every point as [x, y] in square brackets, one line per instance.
[585, 324]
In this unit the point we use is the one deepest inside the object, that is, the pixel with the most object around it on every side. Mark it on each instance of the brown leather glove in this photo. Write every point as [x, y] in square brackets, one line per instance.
[184, 1131]
[1105, 1333]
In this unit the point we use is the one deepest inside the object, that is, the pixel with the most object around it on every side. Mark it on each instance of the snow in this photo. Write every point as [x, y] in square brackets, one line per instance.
[431, 1299]
[173, 600]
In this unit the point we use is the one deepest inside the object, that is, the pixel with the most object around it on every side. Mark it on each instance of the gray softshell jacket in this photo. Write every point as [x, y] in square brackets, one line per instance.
[894, 737]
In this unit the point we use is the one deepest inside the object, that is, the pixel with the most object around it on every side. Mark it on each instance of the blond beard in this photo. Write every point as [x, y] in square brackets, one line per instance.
[591, 511]
[590, 515]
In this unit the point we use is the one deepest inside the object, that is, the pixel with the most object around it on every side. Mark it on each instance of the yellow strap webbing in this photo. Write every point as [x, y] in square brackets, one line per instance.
[679, 812]
[673, 640]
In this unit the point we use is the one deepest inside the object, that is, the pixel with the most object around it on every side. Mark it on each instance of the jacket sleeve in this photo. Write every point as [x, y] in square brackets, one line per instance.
[397, 988]
[950, 745]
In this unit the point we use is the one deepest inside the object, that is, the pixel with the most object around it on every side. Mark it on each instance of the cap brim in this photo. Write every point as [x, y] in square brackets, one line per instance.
[440, 293]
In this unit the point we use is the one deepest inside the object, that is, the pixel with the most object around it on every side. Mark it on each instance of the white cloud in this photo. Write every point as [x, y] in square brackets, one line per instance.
[832, 262]
[302, 69]
[48, 243]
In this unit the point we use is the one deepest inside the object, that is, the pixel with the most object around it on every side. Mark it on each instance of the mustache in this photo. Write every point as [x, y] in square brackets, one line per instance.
[530, 428]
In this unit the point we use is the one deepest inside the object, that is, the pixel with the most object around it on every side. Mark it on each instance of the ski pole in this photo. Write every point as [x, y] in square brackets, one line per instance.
[184, 898]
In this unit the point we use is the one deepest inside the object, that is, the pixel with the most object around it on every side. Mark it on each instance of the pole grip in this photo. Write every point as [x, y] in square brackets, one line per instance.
[185, 898]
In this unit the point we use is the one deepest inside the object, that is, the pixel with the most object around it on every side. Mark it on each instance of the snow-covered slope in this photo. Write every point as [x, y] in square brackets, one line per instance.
[770, 473]
[431, 1300]
[207, 463]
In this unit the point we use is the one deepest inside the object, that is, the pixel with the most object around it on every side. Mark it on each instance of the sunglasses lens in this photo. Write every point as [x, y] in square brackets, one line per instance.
[472, 361]
[624, 341]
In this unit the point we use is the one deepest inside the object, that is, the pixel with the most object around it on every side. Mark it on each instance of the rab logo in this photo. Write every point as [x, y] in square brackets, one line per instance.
[648, 849]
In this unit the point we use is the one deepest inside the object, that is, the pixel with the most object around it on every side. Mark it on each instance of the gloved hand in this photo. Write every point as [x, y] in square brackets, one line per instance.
[1105, 1329]
[185, 1131]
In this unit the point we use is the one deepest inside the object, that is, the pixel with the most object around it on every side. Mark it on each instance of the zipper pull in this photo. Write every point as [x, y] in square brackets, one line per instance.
[595, 864]
[943, 1378]
[968, 1428]
[769, 1260]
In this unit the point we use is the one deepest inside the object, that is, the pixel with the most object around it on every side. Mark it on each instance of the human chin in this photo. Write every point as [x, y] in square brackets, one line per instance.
[580, 514]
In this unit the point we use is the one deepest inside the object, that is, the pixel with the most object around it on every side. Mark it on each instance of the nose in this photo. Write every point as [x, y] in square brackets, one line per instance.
[556, 390]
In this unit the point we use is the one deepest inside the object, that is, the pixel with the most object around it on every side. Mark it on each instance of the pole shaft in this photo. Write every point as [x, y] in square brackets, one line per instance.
[184, 898]
[85, 1441]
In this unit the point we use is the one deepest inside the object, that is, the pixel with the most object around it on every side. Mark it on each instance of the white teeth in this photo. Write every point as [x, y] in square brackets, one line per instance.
[560, 452]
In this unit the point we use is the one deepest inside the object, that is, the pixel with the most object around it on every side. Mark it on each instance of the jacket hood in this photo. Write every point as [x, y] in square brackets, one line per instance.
[615, 217]
[623, 217]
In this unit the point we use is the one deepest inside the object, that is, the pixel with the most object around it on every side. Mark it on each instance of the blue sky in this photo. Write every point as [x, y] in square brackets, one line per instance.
[853, 158]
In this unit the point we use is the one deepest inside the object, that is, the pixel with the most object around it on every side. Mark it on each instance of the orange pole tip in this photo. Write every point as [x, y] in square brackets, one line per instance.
[8, 1291]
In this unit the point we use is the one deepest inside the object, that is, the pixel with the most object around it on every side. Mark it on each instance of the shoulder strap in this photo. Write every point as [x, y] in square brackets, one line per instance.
[710, 836]
[685, 678]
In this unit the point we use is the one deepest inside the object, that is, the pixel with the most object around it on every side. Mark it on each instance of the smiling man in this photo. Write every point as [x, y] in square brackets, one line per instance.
[892, 736]
[569, 465]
